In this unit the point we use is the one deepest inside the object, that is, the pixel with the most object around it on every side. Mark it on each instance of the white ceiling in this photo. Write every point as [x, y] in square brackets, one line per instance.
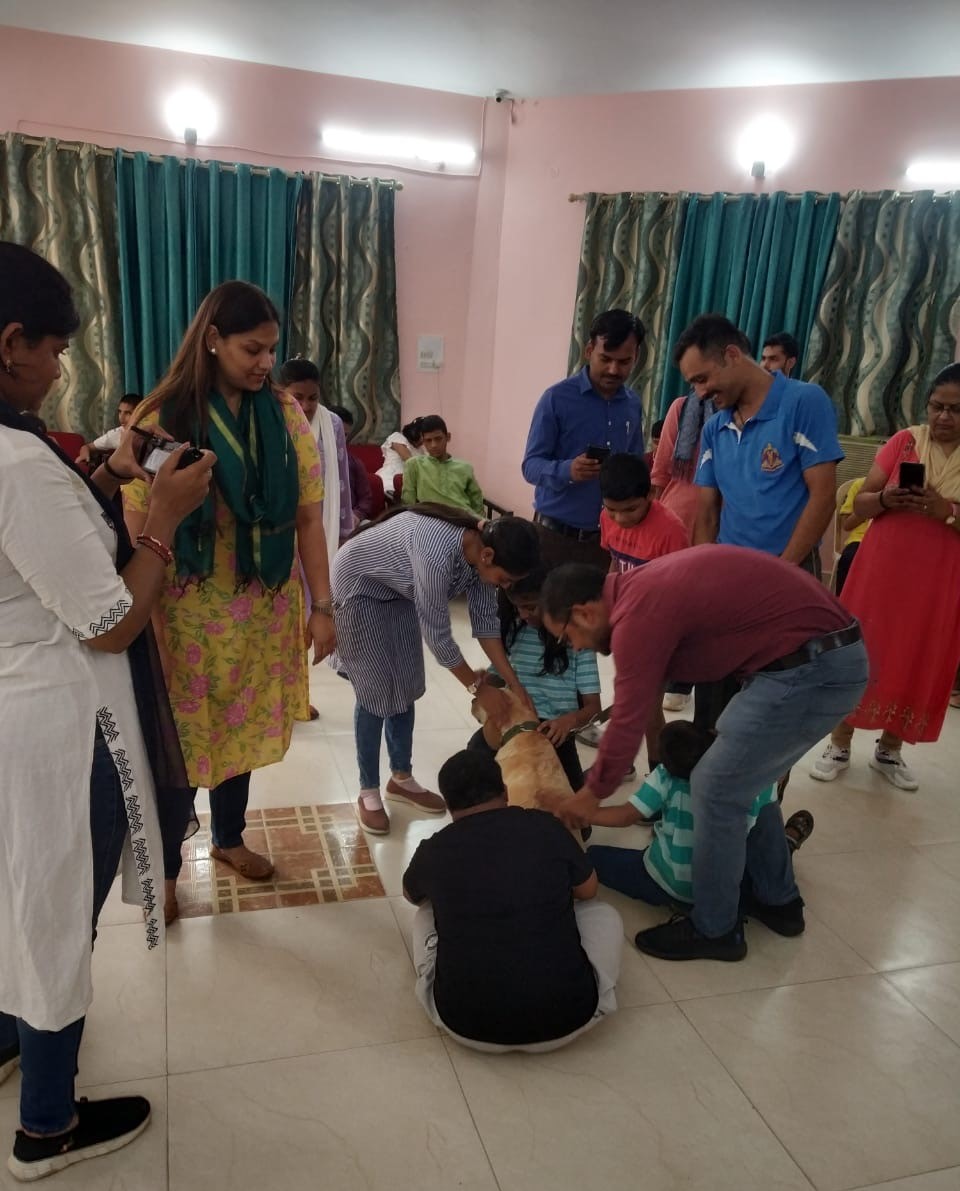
[537, 47]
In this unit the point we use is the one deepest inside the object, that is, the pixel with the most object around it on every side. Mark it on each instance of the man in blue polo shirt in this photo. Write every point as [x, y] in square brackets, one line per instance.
[768, 463]
[768, 457]
[592, 409]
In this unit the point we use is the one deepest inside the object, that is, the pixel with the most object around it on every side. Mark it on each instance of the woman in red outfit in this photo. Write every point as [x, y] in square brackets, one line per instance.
[903, 588]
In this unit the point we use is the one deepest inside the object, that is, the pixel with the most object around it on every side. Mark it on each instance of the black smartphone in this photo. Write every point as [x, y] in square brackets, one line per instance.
[913, 475]
[597, 454]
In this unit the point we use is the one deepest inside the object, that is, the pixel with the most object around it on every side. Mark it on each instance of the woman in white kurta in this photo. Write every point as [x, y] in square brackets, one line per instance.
[76, 785]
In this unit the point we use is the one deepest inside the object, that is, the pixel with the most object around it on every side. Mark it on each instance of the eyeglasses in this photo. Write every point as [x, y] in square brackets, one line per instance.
[937, 407]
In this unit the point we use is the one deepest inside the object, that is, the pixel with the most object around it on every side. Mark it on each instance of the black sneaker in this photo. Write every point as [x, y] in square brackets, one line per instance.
[680, 939]
[9, 1060]
[783, 920]
[102, 1127]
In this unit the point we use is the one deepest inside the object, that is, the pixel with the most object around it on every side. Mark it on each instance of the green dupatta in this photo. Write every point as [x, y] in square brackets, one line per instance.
[256, 474]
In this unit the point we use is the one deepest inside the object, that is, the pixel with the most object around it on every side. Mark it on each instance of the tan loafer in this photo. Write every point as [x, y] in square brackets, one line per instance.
[376, 821]
[248, 864]
[426, 801]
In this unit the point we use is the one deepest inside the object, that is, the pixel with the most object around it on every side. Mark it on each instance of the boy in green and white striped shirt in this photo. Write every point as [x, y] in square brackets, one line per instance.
[661, 874]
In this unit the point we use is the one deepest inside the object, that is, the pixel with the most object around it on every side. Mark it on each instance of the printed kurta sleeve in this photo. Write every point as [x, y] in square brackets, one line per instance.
[343, 469]
[309, 463]
[48, 536]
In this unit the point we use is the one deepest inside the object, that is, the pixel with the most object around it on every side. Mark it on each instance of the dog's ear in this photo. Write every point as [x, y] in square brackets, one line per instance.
[477, 712]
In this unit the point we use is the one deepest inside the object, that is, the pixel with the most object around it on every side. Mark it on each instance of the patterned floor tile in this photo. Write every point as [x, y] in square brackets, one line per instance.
[320, 854]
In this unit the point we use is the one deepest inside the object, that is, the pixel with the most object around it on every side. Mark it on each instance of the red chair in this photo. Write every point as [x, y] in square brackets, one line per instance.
[371, 457]
[70, 444]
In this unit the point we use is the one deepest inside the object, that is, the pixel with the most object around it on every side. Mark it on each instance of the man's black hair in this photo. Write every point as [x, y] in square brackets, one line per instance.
[710, 334]
[431, 423]
[785, 340]
[573, 583]
[469, 778]
[615, 327]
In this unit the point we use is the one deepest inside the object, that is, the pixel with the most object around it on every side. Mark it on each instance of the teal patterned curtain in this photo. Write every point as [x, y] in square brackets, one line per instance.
[343, 314]
[186, 226]
[61, 201]
[759, 259]
[628, 259]
[882, 329]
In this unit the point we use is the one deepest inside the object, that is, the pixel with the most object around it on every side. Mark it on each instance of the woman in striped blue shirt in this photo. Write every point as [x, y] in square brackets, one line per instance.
[393, 581]
[564, 685]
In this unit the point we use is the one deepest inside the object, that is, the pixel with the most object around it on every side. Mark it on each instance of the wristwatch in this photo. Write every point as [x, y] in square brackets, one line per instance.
[474, 686]
[324, 607]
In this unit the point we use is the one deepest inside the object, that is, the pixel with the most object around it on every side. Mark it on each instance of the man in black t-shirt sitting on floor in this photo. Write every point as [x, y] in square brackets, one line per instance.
[511, 948]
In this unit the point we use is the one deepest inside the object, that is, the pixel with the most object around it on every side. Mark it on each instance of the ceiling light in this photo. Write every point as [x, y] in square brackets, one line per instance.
[765, 145]
[382, 146]
[932, 171]
[191, 115]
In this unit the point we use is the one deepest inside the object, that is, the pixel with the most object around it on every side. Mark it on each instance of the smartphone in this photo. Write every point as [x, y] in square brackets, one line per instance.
[157, 449]
[597, 454]
[913, 475]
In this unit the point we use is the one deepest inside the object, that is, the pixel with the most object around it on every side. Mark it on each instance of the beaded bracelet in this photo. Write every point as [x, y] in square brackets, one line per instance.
[162, 552]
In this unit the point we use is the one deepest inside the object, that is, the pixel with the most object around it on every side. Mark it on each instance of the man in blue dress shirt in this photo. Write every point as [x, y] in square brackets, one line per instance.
[592, 409]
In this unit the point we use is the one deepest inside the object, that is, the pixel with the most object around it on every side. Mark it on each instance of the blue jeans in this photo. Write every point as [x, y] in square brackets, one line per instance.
[48, 1058]
[368, 729]
[767, 727]
[623, 869]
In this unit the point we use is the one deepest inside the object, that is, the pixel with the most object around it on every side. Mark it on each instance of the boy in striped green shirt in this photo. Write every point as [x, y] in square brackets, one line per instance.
[661, 873]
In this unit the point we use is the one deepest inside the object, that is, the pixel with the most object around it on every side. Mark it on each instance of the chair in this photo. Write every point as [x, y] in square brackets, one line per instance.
[371, 457]
[70, 444]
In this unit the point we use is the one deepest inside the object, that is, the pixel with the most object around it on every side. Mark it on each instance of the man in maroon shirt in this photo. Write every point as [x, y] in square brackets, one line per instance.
[697, 616]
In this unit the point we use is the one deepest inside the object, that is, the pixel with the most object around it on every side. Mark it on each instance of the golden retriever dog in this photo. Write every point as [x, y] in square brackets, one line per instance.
[528, 761]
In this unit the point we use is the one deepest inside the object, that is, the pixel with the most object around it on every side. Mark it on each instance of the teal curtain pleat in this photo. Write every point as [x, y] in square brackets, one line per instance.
[759, 259]
[185, 227]
[883, 325]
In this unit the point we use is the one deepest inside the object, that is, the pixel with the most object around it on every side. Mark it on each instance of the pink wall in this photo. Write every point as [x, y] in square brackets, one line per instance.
[849, 136]
[78, 89]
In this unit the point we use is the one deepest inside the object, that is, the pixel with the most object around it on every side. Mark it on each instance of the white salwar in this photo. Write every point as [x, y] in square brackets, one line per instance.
[323, 432]
[58, 588]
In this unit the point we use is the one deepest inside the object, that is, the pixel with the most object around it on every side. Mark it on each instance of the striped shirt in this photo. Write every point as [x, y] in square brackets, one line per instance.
[669, 858]
[420, 559]
[553, 694]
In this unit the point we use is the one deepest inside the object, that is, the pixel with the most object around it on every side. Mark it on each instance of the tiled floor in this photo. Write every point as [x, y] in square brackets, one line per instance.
[284, 1049]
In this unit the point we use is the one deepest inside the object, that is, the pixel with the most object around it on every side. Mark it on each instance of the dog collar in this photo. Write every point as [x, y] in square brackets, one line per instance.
[527, 726]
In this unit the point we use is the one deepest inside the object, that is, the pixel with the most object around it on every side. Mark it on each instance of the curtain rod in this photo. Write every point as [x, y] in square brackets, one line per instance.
[230, 166]
[606, 198]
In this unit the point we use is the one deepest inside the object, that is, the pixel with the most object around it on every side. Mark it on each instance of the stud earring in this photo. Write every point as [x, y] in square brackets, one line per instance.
[8, 367]
[213, 351]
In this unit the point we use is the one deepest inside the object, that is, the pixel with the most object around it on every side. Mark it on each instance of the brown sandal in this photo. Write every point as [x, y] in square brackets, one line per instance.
[253, 866]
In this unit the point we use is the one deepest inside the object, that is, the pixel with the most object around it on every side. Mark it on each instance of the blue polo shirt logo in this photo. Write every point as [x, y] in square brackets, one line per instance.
[770, 459]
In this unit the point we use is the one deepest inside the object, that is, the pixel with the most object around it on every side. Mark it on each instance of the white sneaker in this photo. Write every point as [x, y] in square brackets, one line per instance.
[894, 769]
[675, 702]
[591, 735]
[833, 762]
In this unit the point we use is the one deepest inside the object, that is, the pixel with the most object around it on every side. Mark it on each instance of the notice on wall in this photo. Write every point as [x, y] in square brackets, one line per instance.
[429, 353]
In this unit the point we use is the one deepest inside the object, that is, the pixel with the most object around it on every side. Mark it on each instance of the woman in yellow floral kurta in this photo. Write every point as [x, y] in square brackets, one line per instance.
[231, 620]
